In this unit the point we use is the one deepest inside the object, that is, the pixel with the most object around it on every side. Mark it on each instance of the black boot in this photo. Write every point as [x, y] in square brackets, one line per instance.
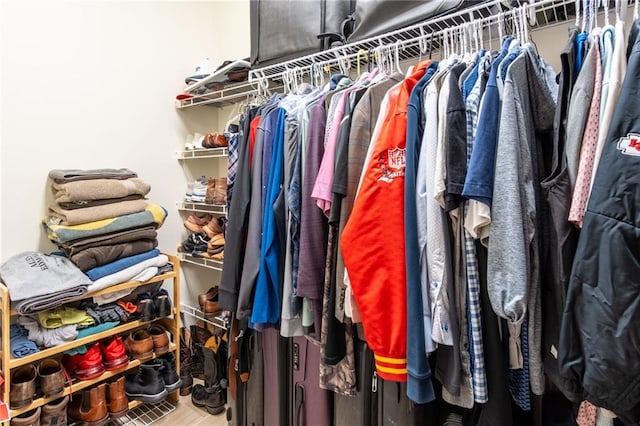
[147, 385]
[185, 362]
[213, 394]
[169, 375]
[199, 336]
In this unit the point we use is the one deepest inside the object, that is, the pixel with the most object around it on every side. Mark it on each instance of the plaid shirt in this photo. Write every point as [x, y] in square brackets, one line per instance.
[476, 348]
[232, 163]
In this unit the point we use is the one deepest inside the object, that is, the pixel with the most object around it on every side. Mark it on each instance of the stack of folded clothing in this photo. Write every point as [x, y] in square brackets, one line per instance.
[206, 238]
[103, 223]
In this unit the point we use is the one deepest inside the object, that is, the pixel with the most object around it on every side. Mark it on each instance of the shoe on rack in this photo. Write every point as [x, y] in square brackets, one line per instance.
[117, 402]
[209, 302]
[160, 339]
[185, 362]
[23, 386]
[169, 374]
[146, 307]
[215, 226]
[52, 377]
[195, 222]
[85, 366]
[214, 140]
[55, 412]
[91, 407]
[162, 303]
[30, 418]
[210, 194]
[220, 191]
[140, 344]
[114, 353]
[146, 385]
[199, 190]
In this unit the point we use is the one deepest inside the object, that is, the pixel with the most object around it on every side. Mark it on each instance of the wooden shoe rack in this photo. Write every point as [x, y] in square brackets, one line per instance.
[171, 323]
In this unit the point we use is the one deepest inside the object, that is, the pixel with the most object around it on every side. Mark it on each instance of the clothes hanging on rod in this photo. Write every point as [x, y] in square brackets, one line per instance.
[434, 210]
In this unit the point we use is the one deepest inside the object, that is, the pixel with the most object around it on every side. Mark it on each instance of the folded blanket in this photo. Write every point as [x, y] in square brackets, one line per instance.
[29, 275]
[19, 342]
[92, 214]
[143, 276]
[153, 214]
[70, 175]
[48, 301]
[48, 337]
[84, 204]
[120, 264]
[147, 232]
[128, 274]
[97, 189]
[98, 256]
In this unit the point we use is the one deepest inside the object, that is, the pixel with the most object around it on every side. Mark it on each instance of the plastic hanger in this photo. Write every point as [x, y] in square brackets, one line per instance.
[577, 7]
[397, 57]
[605, 5]
[635, 10]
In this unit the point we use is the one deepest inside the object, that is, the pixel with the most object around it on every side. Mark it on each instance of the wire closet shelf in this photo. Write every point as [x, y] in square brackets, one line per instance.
[421, 38]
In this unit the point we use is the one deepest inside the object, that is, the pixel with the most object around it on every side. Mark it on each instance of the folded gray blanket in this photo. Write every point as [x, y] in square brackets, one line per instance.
[76, 246]
[98, 256]
[92, 214]
[30, 275]
[70, 175]
[97, 189]
[48, 301]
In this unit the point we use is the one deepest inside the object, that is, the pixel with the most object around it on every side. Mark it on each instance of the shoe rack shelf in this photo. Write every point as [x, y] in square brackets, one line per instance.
[227, 95]
[171, 323]
[219, 320]
[191, 154]
[216, 209]
[216, 265]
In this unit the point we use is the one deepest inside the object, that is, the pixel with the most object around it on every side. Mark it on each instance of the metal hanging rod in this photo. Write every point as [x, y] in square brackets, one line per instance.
[418, 39]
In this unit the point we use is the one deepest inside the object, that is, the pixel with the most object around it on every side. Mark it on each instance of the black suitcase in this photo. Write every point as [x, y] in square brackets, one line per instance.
[361, 409]
[287, 29]
[396, 409]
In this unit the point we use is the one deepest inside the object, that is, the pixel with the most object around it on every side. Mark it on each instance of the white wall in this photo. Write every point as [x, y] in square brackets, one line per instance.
[91, 84]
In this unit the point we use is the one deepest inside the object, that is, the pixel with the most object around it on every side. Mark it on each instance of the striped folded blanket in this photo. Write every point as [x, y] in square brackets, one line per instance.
[152, 215]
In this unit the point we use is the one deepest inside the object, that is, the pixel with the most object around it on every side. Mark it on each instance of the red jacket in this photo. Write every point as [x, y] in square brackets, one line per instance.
[373, 239]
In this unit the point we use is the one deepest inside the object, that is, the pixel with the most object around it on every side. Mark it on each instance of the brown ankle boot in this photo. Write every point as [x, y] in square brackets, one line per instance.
[220, 191]
[30, 418]
[117, 402]
[210, 194]
[55, 413]
[91, 408]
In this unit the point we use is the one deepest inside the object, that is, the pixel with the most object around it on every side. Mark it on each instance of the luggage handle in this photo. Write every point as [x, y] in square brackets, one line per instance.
[299, 401]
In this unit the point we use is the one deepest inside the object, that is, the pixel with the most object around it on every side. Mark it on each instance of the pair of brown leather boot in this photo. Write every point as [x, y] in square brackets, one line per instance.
[216, 191]
[96, 404]
[53, 413]
[209, 302]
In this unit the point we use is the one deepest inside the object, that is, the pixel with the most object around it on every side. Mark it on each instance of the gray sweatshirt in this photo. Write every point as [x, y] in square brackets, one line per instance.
[513, 276]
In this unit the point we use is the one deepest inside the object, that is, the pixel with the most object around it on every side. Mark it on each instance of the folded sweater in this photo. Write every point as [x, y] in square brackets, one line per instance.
[70, 175]
[120, 264]
[98, 189]
[92, 214]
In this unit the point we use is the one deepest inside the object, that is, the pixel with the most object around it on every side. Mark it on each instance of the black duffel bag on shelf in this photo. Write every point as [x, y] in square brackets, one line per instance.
[287, 29]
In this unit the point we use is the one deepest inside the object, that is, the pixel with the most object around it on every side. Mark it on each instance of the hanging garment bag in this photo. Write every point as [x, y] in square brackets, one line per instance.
[361, 409]
[282, 30]
[311, 404]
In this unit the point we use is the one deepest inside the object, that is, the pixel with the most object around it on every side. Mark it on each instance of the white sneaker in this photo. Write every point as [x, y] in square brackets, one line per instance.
[196, 143]
[187, 142]
[199, 190]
